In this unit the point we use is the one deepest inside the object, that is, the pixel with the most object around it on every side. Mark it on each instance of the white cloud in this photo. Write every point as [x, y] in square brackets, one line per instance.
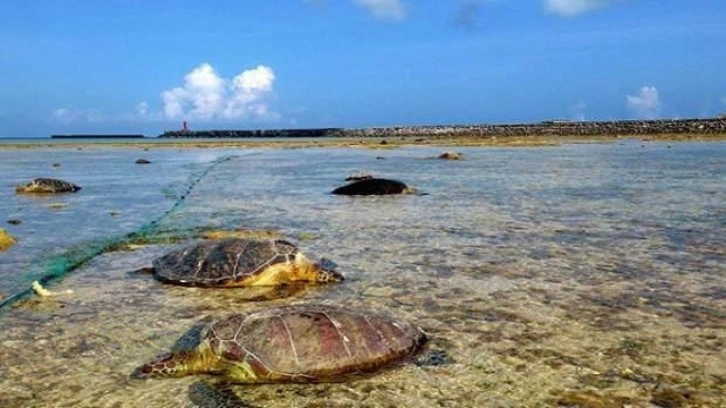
[570, 8]
[142, 109]
[392, 10]
[206, 95]
[646, 104]
[65, 115]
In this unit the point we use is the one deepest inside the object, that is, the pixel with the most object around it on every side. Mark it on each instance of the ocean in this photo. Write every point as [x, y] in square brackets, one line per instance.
[549, 275]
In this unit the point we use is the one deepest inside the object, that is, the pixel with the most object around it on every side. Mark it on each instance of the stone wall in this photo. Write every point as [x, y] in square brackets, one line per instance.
[549, 128]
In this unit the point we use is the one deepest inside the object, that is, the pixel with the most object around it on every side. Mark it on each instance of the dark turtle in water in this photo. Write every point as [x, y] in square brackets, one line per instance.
[47, 186]
[237, 262]
[305, 344]
[373, 186]
[450, 156]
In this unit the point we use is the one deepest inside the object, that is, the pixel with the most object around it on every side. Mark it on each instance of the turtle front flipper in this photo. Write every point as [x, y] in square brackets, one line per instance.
[206, 394]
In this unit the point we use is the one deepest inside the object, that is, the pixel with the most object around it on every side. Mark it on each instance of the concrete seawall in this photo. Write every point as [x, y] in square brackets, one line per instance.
[549, 128]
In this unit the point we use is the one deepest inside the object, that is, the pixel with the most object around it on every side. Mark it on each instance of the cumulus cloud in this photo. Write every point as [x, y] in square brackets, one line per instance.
[570, 8]
[646, 103]
[142, 109]
[392, 10]
[65, 115]
[207, 95]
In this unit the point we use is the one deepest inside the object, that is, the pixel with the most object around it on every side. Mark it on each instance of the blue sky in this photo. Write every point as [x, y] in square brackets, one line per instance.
[144, 66]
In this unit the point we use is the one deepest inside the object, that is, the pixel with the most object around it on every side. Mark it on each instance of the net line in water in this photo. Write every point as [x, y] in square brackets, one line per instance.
[61, 265]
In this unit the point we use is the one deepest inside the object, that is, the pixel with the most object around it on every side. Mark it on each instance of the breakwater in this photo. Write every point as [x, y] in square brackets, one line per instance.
[255, 133]
[548, 128]
[99, 136]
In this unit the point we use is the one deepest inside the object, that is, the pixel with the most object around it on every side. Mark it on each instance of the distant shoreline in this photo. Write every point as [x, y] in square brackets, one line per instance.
[98, 136]
[550, 133]
[381, 142]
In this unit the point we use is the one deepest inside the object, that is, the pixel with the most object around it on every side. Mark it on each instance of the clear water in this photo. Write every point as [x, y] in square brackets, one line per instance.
[589, 273]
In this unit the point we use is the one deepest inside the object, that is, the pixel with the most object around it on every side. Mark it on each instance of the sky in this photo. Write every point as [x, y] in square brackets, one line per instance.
[125, 66]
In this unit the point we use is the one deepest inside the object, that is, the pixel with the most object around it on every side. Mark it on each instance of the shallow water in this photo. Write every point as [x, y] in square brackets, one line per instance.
[581, 274]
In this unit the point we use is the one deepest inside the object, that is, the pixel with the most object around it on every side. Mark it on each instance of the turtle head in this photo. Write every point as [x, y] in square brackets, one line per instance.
[165, 365]
[326, 271]
[178, 364]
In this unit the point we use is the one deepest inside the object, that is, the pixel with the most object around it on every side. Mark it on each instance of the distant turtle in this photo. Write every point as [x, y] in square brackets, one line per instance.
[373, 186]
[238, 262]
[46, 186]
[143, 161]
[450, 156]
[304, 344]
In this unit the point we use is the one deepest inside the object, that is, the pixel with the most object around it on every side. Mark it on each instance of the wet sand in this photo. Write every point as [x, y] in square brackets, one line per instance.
[372, 142]
[588, 280]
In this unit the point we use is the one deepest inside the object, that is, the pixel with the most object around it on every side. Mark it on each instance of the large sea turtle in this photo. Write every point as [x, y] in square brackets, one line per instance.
[240, 262]
[46, 186]
[373, 186]
[304, 343]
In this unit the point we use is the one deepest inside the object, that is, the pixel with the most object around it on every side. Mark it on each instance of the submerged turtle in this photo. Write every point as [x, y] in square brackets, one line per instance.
[240, 262]
[373, 186]
[450, 156]
[305, 344]
[47, 186]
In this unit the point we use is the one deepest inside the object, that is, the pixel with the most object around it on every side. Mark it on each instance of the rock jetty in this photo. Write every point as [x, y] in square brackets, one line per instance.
[547, 128]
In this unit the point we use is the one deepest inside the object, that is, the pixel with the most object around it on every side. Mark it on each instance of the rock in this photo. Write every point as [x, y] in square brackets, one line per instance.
[142, 161]
[6, 240]
[14, 221]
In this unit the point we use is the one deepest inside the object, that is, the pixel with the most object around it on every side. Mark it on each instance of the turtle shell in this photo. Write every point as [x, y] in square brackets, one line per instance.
[216, 263]
[311, 343]
[372, 186]
[47, 186]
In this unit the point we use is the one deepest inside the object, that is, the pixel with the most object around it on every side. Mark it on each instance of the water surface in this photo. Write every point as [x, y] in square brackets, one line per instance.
[552, 276]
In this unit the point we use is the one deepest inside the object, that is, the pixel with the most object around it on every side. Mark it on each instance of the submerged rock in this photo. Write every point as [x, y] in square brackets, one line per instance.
[6, 240]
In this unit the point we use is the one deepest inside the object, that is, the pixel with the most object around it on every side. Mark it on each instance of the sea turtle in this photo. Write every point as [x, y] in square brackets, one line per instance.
[237, 262]
[450, 156]
[303, 343]
[373, 186]
[46, 186]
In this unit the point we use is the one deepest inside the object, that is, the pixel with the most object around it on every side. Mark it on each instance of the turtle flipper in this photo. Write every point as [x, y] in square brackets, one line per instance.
[207, 394]
[143, 271]
[191, 339]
